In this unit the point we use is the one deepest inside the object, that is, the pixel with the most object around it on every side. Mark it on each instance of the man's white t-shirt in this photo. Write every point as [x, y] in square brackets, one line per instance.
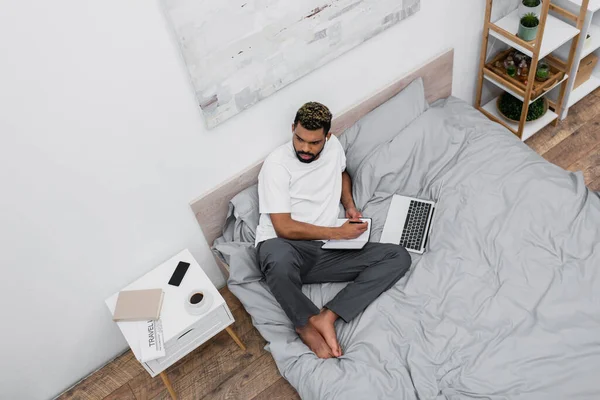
[310, 192]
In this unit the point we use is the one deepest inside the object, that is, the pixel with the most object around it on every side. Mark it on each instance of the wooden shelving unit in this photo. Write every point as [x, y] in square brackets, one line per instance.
[559, 30]
[591, 26]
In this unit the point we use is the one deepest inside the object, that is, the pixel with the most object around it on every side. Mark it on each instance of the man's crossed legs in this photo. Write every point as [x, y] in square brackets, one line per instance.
[287, 264]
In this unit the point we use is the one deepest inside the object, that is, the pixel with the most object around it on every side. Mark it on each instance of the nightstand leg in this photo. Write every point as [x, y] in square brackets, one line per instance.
[167, 383]
[235, 338]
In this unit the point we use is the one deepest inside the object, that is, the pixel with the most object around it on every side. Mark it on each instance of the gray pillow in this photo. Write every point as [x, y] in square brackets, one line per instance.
[242, 218]
[383, 124]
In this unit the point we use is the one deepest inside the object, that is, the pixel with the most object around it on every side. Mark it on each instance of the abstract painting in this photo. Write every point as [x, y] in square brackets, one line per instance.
[238, 52]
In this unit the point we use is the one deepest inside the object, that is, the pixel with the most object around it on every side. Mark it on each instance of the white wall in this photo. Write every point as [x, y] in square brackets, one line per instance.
[102, 147]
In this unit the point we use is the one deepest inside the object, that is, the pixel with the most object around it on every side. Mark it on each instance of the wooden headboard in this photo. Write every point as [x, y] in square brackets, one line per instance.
[211, 208]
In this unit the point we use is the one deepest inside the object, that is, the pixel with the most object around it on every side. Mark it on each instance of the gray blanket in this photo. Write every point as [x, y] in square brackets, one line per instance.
[504, 305]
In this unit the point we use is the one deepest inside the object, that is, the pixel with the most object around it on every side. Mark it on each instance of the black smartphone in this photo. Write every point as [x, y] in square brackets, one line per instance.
[179, 273]
[357, 222]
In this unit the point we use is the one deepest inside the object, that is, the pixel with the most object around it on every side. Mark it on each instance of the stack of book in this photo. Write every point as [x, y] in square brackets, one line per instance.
[143, 307]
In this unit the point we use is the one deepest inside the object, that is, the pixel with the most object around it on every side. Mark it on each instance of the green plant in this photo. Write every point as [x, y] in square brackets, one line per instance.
[543, 71]
[530, 20]
[531, 3]
[511, 107]
[511, 70]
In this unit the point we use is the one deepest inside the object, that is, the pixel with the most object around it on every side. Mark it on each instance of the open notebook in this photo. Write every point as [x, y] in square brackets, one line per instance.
[352, 244]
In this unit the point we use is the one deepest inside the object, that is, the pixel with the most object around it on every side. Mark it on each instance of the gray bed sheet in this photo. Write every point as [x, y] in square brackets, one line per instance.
[504, 305]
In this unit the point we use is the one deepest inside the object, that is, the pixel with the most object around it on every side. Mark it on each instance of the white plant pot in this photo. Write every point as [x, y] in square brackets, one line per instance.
[537, 10]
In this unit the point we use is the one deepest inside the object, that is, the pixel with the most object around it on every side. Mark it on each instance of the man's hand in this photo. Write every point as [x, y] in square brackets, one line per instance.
[351, 230]
[353, 214]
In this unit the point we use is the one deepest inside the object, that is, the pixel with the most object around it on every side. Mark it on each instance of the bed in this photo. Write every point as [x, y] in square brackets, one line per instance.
[505, 304]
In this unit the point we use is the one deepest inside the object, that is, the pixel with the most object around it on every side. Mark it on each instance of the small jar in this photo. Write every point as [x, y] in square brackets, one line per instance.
[523, 71]
[519, 58]
[543, 71]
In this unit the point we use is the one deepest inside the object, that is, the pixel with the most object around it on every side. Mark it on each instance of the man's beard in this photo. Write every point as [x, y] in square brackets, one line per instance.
[305, 160]
[311, 159]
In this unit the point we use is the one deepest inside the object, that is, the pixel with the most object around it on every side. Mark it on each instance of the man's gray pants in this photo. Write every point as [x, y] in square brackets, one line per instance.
[287, 264]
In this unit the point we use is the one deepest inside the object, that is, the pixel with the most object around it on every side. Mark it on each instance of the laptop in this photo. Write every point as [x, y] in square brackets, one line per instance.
[408, 222]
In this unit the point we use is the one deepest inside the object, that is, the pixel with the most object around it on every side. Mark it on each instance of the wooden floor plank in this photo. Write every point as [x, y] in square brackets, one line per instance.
[280, 390]
[227, 363]
[579, 114]
[249, 382]
[145, 387]
[589, 165]
[105, 381]
[232, 302]
[122, 393]
[577, 145]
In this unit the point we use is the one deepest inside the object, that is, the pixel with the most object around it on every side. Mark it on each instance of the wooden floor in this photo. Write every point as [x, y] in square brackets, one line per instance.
[220, 370]
[575, 143]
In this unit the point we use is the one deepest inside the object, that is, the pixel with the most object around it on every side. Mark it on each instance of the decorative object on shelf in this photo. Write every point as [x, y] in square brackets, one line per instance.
[509, 61]
[518, 56]
[543, 71]
[530, 7]
[240, 52]
[523, 71]
[528, 27]
[588, 41]
[584, 72]
[499, 66]
[510, 108]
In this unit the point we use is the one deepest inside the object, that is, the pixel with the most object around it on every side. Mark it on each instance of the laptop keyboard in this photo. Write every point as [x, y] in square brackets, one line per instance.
[414, 227]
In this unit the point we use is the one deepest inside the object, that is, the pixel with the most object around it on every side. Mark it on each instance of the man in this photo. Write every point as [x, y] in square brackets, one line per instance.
[300, 186]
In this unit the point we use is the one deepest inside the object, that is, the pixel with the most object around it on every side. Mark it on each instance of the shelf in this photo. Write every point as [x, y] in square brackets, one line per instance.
[530, 127]
[586, 88]
[556, 33]
[517, 95]
[593, 5]
[563, 51]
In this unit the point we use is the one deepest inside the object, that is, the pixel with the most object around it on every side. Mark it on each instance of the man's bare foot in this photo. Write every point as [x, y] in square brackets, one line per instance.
[323, 322]
[313, 339]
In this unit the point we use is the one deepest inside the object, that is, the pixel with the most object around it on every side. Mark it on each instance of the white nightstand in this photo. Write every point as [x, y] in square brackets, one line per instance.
[182, 331]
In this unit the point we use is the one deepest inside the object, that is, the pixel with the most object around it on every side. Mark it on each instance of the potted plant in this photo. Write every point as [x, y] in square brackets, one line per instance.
[510, 108]
[543, 72]
[530, 6]
[528, 27]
